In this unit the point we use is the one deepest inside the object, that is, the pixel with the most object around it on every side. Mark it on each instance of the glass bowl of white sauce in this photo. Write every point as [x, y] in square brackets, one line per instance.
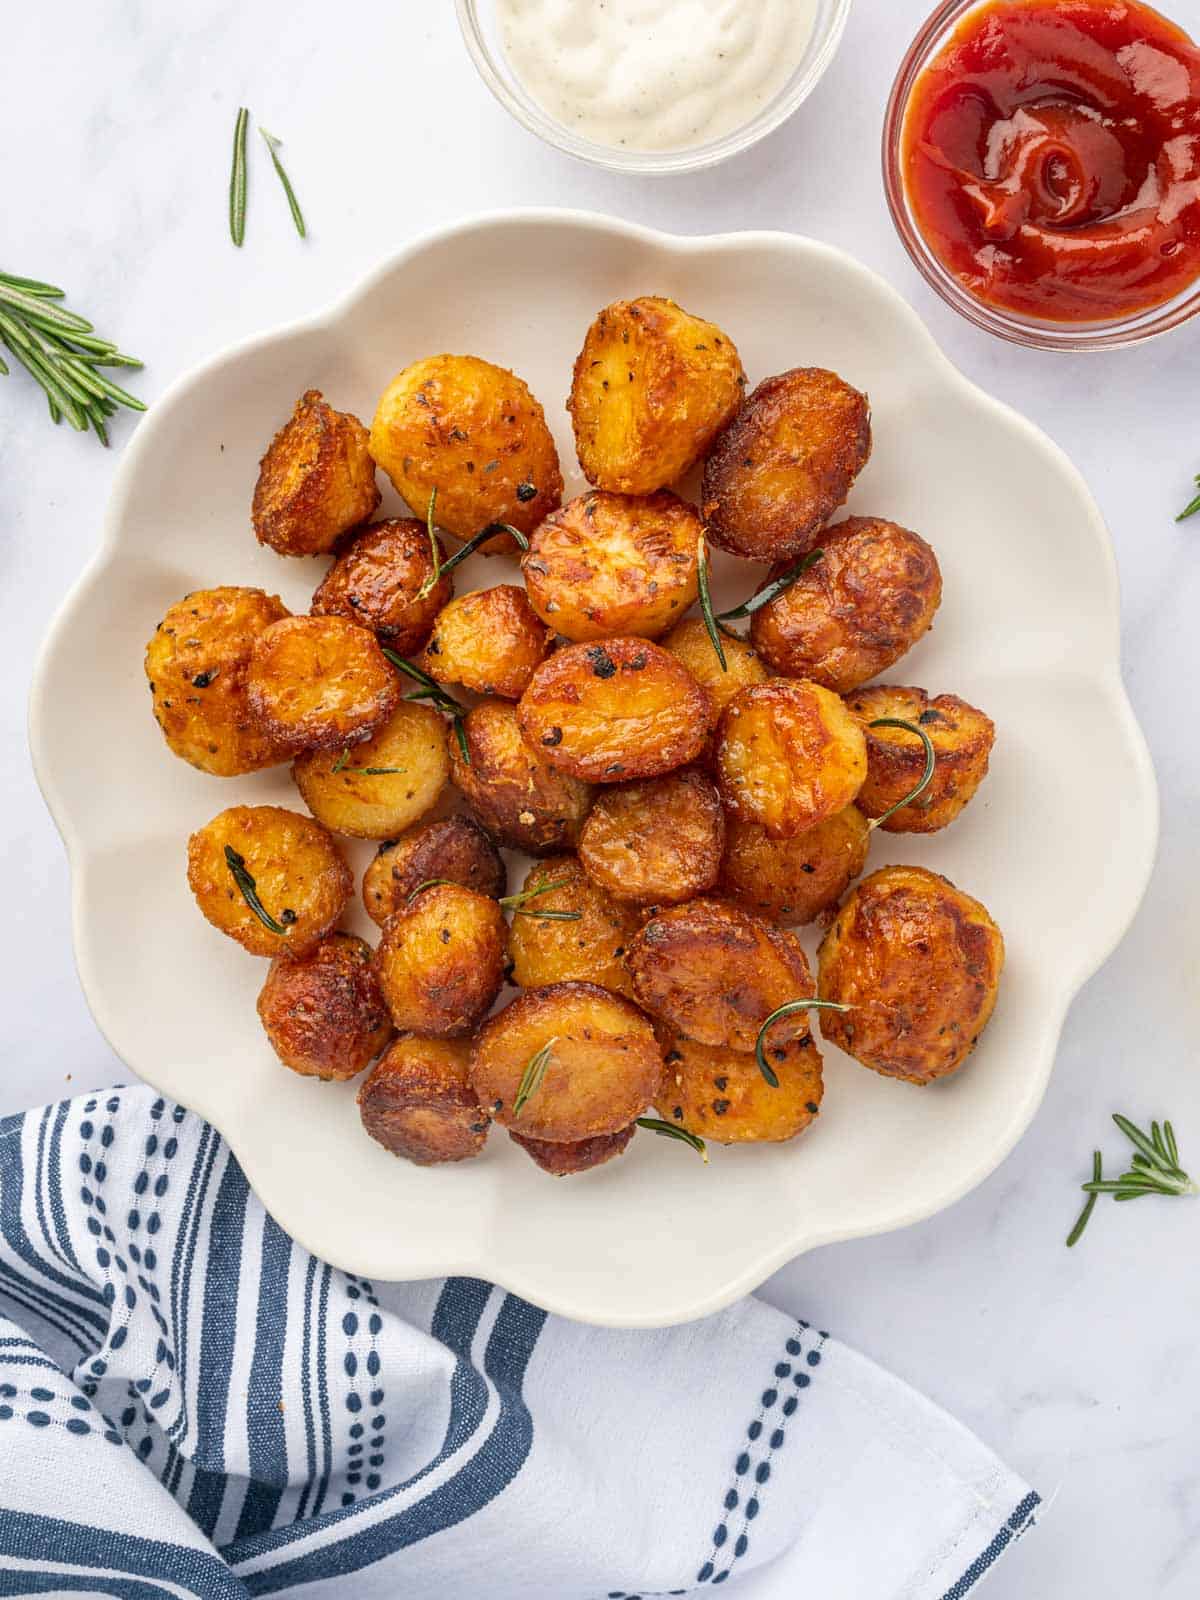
[654, 86]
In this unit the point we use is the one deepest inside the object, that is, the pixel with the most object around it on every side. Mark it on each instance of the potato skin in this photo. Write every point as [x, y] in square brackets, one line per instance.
[319, 683]
[520, 799]
[653, 385]
[376, 581]
[562, 1160]
[315, 481]
[456, 848]
[962, 739]
[324, 1014]
[605, 1067]
[300, 878]
[715, 972]
[609, 711]
[490, 641]
[919, 963]
[788, 755]
[610, 564]
[196, 663]
[796, 880]
[721, 1094]
[473, 432]
[591, 950]
[441, 961]
[362, 797]
[855, 612]
[656, 842]
[417, 1102]
[785, 464]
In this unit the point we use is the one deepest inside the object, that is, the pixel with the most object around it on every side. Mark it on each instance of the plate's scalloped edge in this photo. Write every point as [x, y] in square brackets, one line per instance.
[541, 1290]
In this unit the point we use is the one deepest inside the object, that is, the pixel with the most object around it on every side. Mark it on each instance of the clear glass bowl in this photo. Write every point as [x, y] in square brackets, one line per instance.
[477, 20]
[1030, 331]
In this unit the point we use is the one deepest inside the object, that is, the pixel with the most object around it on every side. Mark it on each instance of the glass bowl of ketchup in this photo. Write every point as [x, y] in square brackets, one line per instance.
[1042, 165]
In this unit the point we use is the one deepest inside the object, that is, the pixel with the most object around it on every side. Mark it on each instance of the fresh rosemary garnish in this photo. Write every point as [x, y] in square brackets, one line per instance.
[237, 867]
[272, 144]
[1089, 1205]
[435, 549]
[531, 1078]
[1192, 506]
[706, 605]
[237, 178]
[516, 904]
[773, 590]
[432, 691]
[432, 883]
[788, 1010]
[926, 776]
[669, 1130]
[369, 772]
[1155, 1169]
[714, 621]
[482, 537]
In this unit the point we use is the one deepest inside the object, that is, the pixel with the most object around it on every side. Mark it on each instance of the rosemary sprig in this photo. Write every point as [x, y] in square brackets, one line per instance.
[669, 1130]
[1192, 506]
[516, 904]
[773, 590]
[926, 776]
[435, 549]
[249, 889]
[237, 178]
[532, 1077]
[788, 1010]
[272, 144]
[1154, 1169]
[432, 883]
[706, 605]
[482, 537]
[432, 691]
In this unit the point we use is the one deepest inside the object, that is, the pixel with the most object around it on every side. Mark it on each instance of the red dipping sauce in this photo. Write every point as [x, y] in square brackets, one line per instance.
[1051, 158]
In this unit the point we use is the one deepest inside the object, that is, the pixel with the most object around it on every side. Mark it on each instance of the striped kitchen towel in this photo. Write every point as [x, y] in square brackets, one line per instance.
[190, 1404]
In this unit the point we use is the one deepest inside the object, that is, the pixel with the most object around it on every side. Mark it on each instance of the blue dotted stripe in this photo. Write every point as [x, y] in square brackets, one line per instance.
[362, 1324]
[74, 1413]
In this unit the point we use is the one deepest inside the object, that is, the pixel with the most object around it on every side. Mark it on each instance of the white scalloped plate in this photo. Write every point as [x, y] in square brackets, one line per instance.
[1028, 629]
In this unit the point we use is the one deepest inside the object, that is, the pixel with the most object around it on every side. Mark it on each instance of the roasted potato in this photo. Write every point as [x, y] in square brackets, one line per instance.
[619, 709]
[715, 972]
[546, 950]
[514, 791]
[441, 961]
[455, 848]
[918, 963]
[795, 880]
[561, 1160]
[721, 1094]
[377, 581]
[473, 432]
[855, 612]
[657, 842]
[315, 481]
[602, 1069]
[788, 756]
[418, 1102]
[653, 386]
[324, 1013]
[196, 663]
[384, 785]
[490, 641]
[319, 683]
[690, 644]
[785, 464]
[609, 564]
[962, 740]
[285, 864]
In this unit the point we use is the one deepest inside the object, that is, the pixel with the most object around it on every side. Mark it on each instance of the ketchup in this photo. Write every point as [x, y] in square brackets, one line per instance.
[1051, 157]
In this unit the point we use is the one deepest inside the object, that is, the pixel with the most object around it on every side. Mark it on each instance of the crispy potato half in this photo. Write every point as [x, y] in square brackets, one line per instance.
[490, 641]
[316, 480]
[252, 863]
[418, 1102]
[384, 785]
[610, 564]
[690, 644]
[562, 1160]
[441, 961]
[855, 612]
[516, 794]
[619, 709]
[473, 432]
[377, 580]
[196, 664]
[785, 464]
[323, 1013]
[962, 739]
[653, 386]
[455, 848]
[795, 880]
[788, 756]
[590, 948]
[601, 1068]
[918, 963]
[656, 842]
[319, 683]
[721, 1094]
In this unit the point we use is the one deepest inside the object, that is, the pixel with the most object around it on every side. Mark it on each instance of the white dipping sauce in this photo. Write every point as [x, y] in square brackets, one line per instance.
[654, 74]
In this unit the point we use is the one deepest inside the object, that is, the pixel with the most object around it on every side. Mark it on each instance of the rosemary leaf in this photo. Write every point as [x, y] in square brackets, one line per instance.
[237, 179]
[532, 1077]
[788, 1010]
[669, 1130]
[516, 904]
[1085, 1216]
[706, 605]
[482, 537]
[926, 776]
[249, 890]
[772, 590]
[435, 549]
[272, 144]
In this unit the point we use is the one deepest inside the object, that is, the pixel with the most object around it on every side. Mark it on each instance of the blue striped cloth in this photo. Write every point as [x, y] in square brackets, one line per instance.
[191, 1405]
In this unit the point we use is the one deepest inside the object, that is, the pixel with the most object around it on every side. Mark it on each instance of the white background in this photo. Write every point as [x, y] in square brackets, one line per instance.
[1081, 1368]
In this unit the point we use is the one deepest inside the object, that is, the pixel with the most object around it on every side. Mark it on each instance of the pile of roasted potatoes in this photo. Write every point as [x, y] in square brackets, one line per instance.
[692, 791]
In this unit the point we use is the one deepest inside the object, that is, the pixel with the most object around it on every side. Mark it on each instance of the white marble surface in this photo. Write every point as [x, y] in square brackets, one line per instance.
[1081, 1368]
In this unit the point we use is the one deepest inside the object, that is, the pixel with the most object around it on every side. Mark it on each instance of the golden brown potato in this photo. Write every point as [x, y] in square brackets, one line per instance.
[794, 880]
[609, 564]
[561, 1160]
[962, 740]
[657, 842]
[855, 612]
[918, 962]
[602, 1069]
[517, 795]
[418, 1102]
[285, 864]
[196, 662]
[546, 950]
[490, 641]
[785, 464]
[721, 1094]
[473, 432]
[377, 580]
[380, 787]
[324, 1013]
[788, 756]
[619, 709]
[653, 385]
[319, 683]
[715, 972]
[690, 644]
[315, 481]
[441, 961]
[455, 848]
